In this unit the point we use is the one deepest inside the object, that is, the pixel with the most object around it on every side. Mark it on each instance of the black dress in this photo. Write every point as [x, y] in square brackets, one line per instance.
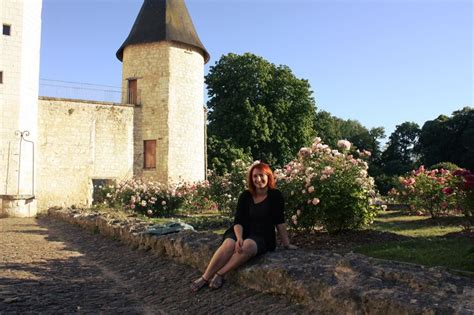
[259, 219]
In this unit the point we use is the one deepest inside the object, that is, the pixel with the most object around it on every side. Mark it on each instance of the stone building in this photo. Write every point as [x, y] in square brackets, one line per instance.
[53, 150]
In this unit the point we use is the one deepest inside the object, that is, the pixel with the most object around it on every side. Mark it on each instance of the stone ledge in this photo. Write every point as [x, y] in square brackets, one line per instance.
[324, 281]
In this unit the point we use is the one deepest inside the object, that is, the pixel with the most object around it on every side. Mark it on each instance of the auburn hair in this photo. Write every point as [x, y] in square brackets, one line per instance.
[267, 170]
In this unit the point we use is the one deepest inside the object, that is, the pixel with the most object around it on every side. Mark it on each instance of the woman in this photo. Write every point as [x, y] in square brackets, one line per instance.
[259, 210]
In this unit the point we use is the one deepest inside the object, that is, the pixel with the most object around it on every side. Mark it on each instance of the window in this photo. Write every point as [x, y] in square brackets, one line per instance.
[149, 154]
[132, 92]
[1, 77]
[7, 29]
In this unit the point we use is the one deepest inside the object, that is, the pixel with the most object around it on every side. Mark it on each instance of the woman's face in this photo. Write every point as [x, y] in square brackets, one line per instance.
[259, 178]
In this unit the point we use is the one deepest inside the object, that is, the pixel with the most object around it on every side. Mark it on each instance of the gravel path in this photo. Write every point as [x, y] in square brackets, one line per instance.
[48, 266]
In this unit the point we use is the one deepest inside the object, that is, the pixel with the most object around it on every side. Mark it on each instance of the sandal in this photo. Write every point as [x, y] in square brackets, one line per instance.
[199, 284]
[217, 281]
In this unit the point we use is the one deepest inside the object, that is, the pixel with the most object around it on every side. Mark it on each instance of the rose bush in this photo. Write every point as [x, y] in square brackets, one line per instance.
[465, 186]
[437, 191]
[148, 198]
[225, 189]
[328, 188]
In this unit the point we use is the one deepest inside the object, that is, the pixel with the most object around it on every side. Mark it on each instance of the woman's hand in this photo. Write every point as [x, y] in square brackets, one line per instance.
[238, 245]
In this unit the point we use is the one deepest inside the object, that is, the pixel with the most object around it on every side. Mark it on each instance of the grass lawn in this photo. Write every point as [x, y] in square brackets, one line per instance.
[428, 241]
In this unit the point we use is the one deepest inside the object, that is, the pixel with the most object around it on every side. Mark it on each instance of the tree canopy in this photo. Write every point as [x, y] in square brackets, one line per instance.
[331, 129]
[258, 107]
[400, 156]
[449, 139]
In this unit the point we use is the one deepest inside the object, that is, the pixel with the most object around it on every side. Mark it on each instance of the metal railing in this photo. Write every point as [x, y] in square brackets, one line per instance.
[80, 90]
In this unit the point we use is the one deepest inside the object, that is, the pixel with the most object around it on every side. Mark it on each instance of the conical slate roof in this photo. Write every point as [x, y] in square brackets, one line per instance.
[163, 20]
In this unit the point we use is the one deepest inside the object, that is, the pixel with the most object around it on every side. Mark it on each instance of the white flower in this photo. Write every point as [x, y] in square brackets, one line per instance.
[304, 152]
[292, 193]
[149, 212]
[328, 170]
[315, 201]
[311, 189]
[303, 191]
[316, 140]
[143, 203]
[294, 219]
[109, 195]
[344, 144]
[298, 212]
[163, 203]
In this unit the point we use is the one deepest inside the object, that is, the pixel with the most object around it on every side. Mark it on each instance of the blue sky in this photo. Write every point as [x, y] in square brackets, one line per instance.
[379, 62]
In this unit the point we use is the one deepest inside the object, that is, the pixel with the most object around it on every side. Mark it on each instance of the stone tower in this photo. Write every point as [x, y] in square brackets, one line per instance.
[20, 23]
[163, 75]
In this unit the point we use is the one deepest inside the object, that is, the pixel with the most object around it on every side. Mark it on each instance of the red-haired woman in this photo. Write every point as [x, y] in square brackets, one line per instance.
[259, 210]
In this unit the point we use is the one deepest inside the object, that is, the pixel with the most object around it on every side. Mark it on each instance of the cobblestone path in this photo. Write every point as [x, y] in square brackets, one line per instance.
[48, 266]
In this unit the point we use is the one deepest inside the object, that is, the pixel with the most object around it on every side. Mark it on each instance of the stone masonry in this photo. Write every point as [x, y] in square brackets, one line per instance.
[48, 266]
[170, 110]
[323, 281]
[81, 141]
[19, 62]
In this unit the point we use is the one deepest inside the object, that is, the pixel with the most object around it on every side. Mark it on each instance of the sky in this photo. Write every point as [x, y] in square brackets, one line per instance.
[381, 62]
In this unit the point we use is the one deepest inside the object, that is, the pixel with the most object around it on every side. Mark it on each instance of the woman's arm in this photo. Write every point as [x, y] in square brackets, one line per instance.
[238, 230]
[284, 236]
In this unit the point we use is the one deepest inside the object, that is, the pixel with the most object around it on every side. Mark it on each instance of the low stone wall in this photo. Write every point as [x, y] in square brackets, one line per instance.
[324, 281]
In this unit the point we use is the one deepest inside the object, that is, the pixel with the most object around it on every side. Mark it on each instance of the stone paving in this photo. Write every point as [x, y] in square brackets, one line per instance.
[48, 266]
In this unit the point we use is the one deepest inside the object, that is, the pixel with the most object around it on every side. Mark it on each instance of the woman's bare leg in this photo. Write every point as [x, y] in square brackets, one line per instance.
[220, 258]
[249, 249]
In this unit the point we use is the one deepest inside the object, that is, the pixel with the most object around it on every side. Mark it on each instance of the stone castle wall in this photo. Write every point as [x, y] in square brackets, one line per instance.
[186, 115]
[80, 141]
[145, 63]
[19, 62]
[170, 110]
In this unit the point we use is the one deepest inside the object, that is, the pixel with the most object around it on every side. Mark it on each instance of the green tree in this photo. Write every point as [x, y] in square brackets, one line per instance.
[331, 129]
[328, 128]
[400, 156]
[221, 154]
[449, 139]
[256, 105]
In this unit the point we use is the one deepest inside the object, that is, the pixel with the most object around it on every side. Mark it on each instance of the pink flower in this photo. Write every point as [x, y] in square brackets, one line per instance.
[344, 144]
[328, 170]
[304, 152]
[310, 189]
[315, 201]
[294, 219]
[447, 190]
[298, 212]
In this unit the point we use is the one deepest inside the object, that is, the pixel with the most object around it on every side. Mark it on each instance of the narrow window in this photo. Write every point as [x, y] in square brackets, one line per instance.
[1, 77]
[7, 29]
[149, 147]
[132, 92]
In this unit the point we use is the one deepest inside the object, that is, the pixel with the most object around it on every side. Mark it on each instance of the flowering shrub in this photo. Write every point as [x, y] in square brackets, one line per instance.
[196, 197]
[149, 198]
[328, 188]
[437, 191]
[225, 189]
[465, 185]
